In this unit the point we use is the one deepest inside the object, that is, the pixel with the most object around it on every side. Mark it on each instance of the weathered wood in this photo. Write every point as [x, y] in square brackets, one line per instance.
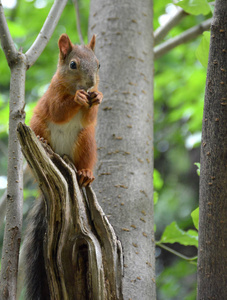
[83, 258]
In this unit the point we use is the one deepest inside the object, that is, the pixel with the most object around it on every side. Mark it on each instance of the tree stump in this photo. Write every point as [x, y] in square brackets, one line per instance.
[83, 257]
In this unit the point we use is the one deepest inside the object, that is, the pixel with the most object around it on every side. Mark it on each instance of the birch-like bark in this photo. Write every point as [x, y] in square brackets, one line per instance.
[18, 63]
[125, 135]
[212, 254]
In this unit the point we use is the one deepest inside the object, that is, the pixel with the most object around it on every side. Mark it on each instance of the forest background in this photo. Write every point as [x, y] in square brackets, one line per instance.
[179, 96]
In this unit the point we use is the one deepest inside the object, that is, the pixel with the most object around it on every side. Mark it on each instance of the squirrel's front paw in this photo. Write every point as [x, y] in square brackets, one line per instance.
[82, 98]
[95, 98]
[85, 177]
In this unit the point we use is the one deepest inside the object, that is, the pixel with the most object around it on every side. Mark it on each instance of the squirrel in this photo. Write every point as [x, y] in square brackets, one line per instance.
[66, 114]
[65, 117]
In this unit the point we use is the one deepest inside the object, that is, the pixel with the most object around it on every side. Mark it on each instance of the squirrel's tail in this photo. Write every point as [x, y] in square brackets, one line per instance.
[35, 274]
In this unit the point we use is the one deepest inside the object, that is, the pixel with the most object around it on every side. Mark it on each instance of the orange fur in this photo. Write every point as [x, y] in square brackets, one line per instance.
[85, 149]
[67, 104]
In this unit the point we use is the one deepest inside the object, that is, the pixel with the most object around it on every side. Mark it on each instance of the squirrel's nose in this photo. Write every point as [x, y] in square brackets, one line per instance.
[91, 81]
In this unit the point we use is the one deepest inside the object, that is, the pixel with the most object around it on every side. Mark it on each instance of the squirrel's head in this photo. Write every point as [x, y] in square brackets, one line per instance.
[78, 64]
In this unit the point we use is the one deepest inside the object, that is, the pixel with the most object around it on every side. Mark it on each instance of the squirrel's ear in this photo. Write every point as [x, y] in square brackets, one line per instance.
[92, 43]
[64, 45]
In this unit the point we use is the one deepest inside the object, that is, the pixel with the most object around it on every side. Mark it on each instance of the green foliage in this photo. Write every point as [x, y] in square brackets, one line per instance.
[198, 166]
[4, 116]
[177, 281]
[195, 218]
[195, 7]
[158, 182]
[159, 9]
[30, 193]
[173, 234]
[29, 111]
[17, 31]
[202, 51]
[155, 196]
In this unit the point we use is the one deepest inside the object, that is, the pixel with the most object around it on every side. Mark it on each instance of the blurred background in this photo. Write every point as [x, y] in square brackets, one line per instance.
[179, 94]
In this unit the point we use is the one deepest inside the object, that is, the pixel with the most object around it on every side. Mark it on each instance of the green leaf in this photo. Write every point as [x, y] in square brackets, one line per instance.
[4, 117]
[198, 166]
[195, 217]
[158, 182]
[202, 52]
[173, 234]
[30, 193]
[155, 197]
[195, 7]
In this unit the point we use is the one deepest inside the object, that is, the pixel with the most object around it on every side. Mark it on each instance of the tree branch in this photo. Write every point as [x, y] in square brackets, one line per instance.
[162, 31]
[161, 245]
[6, 39]
[46, 32]
[76, 4]
[186, 36]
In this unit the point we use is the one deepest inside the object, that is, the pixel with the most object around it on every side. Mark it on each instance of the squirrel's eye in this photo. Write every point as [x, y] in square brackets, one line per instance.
[99, 66]
[73, 65]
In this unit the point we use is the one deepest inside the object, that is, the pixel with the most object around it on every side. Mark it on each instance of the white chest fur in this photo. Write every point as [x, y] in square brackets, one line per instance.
[64, 136]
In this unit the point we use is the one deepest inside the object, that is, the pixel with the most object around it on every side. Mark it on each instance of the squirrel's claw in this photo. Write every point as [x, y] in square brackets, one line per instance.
[41, 139]
[82, 97]
[95, 98]
[85, 177]
[88, 99]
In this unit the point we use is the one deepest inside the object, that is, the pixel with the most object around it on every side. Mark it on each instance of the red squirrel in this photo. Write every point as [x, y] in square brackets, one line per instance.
[66, 114]
[65, 117]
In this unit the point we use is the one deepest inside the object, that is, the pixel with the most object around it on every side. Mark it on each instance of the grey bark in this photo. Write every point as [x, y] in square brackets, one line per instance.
[18, 63]
[212, 256]
[125, 134]
[83, 257]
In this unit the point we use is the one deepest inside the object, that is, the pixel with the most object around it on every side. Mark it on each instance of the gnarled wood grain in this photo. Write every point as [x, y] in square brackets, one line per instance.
[83, 257]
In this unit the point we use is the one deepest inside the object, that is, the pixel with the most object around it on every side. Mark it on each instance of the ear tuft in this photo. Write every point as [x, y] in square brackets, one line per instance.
[64, 45]
[92, 43]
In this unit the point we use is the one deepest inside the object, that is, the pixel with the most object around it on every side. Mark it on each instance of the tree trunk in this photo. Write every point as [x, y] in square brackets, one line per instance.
[125, 134]
[212, 261]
